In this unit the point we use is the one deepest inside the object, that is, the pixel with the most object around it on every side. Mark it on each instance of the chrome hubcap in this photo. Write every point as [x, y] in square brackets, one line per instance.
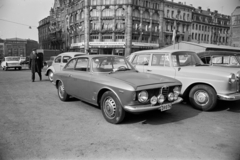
[201, 98]
[51, 76]
[61, 90]
[109, 107]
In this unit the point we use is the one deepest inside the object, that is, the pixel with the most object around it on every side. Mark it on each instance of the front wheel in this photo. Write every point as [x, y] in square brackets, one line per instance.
[203, 97]
[50, 76]
[112, 109]
[62, 94]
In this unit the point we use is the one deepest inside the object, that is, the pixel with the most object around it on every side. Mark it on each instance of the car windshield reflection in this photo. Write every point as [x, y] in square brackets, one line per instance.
[110, 64]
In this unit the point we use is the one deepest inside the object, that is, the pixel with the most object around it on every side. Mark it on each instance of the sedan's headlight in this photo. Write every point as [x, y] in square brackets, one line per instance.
[143, 96]
[170, 97]
[232, 78]
[161, 98]
[176, 90]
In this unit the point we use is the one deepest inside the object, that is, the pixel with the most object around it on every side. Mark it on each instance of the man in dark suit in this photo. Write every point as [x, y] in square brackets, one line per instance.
[36, 64]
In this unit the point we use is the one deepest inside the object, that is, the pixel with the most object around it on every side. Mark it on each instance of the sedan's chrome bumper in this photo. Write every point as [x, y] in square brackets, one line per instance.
[147, 107]
[229, 97]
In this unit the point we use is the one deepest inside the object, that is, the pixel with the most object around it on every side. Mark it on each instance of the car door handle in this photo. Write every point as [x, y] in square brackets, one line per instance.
[149, 70]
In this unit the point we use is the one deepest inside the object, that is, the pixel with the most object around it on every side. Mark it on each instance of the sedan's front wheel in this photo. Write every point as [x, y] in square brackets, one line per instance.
[203, 97]
[62, 94]
[111, 108]
[50, 76]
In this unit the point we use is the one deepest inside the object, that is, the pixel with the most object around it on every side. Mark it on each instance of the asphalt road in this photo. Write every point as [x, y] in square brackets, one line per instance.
[35, 124]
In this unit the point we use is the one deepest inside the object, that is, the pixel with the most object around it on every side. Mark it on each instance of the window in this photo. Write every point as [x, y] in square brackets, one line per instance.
[141, 59]
[160, 60]
[70, 65]
[66, 58]
[58, 60]
[82, 64]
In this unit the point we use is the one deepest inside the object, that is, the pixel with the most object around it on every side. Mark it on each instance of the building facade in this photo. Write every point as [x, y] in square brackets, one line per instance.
[177, 15]
[108, 26]
[19, 47]
[121, 27]
[210, 27]
[235, 27]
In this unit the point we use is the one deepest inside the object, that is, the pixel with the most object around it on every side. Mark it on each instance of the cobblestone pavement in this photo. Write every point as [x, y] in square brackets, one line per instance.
[35, 124]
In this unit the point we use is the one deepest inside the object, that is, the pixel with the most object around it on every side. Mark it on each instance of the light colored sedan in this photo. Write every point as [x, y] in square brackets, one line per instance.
[59, 62]
[113, 84]
[202, 84]
[11, 62]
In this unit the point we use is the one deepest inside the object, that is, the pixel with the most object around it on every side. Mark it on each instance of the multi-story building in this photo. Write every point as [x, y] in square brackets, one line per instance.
[235, 27]
[43, 33]
[124, 26]
[210, 27]
[107, 26]
[177, 15]
[19, 47]
[1, 48]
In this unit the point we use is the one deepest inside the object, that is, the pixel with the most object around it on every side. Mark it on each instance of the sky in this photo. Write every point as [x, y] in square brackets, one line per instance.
[25, 13]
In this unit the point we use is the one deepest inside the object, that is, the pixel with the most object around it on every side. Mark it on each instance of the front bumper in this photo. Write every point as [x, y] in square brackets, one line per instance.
[229, 97]
[147, 107]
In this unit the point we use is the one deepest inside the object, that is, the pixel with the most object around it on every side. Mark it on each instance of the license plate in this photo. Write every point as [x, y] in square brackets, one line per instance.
[165, 107]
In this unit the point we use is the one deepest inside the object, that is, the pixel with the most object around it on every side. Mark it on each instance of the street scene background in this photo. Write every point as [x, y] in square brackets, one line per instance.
[35, 124]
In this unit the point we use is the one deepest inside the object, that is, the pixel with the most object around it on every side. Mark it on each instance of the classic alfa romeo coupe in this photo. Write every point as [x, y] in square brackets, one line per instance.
[114, 85]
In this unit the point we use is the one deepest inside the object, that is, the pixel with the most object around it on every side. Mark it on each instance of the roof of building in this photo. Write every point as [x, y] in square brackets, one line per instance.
[236, 11]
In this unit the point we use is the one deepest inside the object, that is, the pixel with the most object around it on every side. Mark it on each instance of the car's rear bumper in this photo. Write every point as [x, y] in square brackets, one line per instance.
[147, 107]
[229, 97]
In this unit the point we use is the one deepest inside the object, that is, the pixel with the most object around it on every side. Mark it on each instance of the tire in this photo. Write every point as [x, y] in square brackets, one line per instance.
[62, 94]
[111, 107]
[203, 97]
[19, 68]
[50, 75]
[6, 68]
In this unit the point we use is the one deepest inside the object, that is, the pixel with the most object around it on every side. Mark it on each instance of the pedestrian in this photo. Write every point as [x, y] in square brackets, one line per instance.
[36, 64]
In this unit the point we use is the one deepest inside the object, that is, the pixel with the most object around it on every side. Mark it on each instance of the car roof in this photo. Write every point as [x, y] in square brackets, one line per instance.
[210, 53]
[70, 53]
[100, 55]
[162, 51]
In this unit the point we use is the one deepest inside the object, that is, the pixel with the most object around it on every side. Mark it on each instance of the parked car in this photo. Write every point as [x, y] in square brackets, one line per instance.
[21, 59]
[59, 62]
[220, 58]
[11, 62]
[112, 83]
[202, 84]
[48, 63]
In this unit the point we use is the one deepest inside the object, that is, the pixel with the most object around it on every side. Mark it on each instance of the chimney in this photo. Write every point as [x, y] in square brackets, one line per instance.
[208, 10]
[200, 8]
[215, 11]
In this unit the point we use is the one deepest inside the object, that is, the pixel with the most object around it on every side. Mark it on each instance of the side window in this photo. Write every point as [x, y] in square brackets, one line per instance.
[206, 60]
[233, 61]
[141, 59]
[70, 65]
[226, 59]
[82, 64]
[217, 60]
[160, 60]
[66, 59]
[58, 59]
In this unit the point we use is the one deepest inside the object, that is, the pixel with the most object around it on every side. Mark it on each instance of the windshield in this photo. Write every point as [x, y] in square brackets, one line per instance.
[185, 59]
[238, 58]
[110, 64]
[12, 58]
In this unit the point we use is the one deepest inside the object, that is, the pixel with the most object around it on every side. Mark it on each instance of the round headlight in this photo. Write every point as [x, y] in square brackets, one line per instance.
[170, 97]
[175, 96]
[153, 100]
[176, 90]
[142, 96]
[161, 98]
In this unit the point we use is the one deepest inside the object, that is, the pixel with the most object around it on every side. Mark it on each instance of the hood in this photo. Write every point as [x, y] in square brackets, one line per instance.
[142, 79]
